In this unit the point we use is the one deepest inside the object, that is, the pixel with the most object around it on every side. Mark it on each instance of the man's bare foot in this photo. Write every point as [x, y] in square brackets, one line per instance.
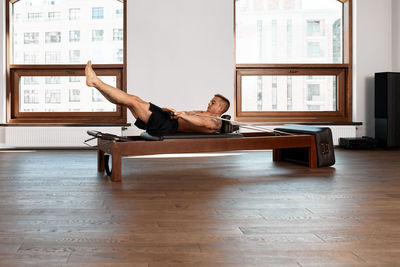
[91, 77]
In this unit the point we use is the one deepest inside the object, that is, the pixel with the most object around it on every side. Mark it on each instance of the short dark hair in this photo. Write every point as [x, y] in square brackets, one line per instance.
[226, 101]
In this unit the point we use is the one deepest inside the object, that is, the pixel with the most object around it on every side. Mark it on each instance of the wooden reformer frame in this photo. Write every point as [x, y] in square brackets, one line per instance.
[249, 141]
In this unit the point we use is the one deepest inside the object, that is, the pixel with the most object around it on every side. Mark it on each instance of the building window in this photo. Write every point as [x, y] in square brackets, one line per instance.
[31, 80]
[336, 42]
[98, 13]
[314, 49]
[34, 16]
[53, 96]
[18, 17]
[31, 38]
[313, 27]
[119, 56]
[31, 96]
[52, 57]
[74, 95]
[274, 68]
[53, 80]
[53, 37]
[74, 79]
[313, 92]
[97, 96]
[74, 36]
[74, 56]
[74, 13]
[118, 34]
[31, 57]
[119, 13]
[54, 16]
[97, 35]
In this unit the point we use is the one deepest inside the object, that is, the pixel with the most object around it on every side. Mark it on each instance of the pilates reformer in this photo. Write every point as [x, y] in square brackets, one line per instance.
[307, 145]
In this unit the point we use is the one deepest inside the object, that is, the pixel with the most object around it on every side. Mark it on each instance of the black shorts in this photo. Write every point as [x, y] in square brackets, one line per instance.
[160, 122]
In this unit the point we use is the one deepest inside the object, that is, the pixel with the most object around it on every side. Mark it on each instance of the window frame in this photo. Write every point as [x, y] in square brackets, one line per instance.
[343, 72]
[14, 71]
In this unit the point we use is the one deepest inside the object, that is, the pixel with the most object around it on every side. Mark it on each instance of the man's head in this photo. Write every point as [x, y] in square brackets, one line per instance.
[218, 104]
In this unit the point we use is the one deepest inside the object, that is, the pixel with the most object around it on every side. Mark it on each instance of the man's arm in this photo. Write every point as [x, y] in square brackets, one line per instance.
[211, 124]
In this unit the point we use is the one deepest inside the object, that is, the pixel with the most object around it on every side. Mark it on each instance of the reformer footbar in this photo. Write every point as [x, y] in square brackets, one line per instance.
[105, 136]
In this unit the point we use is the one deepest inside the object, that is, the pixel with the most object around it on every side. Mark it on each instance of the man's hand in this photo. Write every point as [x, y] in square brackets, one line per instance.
[170, 110]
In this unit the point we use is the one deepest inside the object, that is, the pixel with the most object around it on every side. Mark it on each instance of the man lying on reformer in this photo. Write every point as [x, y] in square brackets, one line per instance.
[156, 120]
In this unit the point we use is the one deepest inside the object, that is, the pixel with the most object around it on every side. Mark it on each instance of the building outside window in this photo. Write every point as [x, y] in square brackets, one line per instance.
[74, 36]
[52, 57]
[313, 92]
[31, 38]
[74, 13]
[18, 17]
[74, 95]
[31, 80]
[53, 37]
[118, 34]
[31, 57]
[74, 56]
[314, 49]
[34, 16]
[97, 35]
[97, 96]
[53, 80]
[98, 13]
[119, 56]
[313, 27]
[53, 96]
[54, 16]
[119, 13]
[31, 96]
[74, 79]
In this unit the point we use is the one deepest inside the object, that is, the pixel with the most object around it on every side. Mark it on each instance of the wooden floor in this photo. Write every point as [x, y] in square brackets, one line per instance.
[236, 209]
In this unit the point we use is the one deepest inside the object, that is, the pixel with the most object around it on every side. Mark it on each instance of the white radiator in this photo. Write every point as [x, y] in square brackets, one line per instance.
[62, 137]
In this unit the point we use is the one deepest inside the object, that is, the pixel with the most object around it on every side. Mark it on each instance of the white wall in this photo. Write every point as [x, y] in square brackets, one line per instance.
[372, 45]
[396, 34]
[180, 52]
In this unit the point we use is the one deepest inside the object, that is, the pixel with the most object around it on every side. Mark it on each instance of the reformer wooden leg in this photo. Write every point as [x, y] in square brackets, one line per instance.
[116, 167]
[100, 160]
[312, 155]
[276, 155]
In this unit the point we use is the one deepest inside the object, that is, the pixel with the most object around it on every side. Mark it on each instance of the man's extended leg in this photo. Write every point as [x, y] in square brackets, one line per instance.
[138, 107]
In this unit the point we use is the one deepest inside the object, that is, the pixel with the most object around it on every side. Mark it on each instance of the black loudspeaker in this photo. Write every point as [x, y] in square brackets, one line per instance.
[387, 108]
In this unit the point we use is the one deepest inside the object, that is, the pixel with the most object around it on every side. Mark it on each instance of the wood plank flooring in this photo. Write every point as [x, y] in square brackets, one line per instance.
[234, 209]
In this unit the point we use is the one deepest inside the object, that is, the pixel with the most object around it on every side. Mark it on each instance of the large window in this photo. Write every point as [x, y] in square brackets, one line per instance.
[293, 60]
[47, 49]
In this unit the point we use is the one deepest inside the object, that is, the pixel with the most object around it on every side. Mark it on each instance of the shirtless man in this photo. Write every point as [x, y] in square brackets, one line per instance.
[156, 120]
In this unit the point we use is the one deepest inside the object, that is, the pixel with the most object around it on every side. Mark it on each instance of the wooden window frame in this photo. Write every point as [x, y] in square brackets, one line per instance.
[14, 72]
[343, 72]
